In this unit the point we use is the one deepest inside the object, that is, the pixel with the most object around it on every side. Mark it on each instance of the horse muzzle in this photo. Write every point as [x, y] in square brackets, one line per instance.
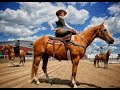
[111, 41]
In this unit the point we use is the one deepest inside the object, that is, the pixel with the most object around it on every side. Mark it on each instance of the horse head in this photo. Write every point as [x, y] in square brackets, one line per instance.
[104, 34]
[4, 48]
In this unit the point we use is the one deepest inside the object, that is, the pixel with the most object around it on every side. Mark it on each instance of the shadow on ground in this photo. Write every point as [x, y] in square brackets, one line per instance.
[66, 82]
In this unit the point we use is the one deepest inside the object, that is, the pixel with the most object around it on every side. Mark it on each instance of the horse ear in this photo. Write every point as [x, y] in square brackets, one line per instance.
[5, 44]
[110, 51]
[102, 25]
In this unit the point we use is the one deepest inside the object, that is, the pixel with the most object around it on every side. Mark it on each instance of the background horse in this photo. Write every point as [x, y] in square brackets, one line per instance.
[11, 54]
[102, 57]
[43, 49]
[118, 57]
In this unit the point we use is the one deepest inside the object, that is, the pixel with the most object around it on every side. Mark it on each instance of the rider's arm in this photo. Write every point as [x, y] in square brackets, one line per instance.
[68, 26]
[50, 23]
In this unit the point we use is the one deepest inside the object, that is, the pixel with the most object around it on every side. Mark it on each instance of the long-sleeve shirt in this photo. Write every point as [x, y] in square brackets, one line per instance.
[54, 20]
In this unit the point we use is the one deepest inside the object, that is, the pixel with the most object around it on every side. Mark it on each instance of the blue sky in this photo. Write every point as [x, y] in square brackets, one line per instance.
[28, 20]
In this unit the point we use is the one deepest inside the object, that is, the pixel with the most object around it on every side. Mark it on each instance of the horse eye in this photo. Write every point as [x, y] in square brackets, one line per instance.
[105, 30]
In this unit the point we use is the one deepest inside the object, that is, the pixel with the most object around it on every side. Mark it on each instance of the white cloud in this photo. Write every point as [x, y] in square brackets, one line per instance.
[113, 21]
[92, 3]
[114, 9]
[27, 20]
[29, 38]
[76, 16]
[95, 21]
[71, 3]
[83, 3]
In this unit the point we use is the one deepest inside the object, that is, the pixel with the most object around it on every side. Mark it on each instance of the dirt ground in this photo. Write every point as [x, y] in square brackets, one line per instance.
[60, 73]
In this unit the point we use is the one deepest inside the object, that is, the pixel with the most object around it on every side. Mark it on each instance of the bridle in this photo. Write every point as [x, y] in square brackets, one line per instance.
[103, 33]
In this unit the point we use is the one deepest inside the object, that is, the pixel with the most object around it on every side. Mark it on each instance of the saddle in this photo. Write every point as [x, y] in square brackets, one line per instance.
[66, 41]
[60, 41]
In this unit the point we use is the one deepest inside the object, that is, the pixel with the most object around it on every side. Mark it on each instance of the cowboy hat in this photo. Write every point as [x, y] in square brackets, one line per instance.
[59, 11]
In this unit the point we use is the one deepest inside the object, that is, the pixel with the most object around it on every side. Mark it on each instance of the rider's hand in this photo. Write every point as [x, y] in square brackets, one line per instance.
[56, 29]
[75, 31]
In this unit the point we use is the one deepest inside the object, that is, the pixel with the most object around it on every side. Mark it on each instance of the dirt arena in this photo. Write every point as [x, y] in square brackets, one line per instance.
[60, 73]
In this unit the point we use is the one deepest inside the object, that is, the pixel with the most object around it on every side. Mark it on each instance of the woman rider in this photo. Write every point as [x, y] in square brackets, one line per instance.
[60, 23]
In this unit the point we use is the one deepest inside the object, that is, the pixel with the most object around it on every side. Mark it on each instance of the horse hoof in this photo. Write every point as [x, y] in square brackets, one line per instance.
[51, 82]
[37, 82]
[33, 81]
[75, 86]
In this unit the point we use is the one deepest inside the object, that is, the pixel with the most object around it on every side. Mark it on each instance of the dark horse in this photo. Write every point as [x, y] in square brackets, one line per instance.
[102, 57]
[118, 57]
[11, 54]
[43, 49]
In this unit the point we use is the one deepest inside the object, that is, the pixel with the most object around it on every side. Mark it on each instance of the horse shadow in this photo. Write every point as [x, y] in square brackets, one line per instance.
[100, 67]
[16, 66]
[66, 82]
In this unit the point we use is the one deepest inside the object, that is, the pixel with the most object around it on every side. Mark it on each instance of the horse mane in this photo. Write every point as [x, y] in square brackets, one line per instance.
[91, 28]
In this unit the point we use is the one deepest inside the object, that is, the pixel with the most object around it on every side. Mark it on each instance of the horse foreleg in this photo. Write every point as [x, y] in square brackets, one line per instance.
[44, 67]
[35, 69]
[105, 64]
[98, 63]
[74, 71]
[9, 63]
[12, 61]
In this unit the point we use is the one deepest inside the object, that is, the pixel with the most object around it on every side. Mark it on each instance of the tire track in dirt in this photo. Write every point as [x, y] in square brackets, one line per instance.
[21, 75]
[60, 73]
[5, 72]
[50, 72]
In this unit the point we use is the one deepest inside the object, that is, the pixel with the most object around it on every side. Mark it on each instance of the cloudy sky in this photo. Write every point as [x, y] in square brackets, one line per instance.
[29, 20]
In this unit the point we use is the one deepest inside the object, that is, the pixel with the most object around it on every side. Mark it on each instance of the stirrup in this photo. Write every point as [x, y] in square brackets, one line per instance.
[68, 54]
[54, 54]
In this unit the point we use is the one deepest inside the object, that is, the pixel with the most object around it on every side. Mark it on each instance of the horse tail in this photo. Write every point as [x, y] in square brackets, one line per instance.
[95, 60]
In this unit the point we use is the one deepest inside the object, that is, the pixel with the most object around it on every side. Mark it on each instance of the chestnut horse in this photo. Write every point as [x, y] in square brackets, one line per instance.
[102, 57]
[11, 54]
[42, 49]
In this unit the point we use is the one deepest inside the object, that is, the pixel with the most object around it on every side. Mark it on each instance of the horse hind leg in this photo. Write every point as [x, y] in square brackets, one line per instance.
[34, 71]
[44, 67]
[74, 71]
[23, 61]
[95, 62]
[20, 61]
